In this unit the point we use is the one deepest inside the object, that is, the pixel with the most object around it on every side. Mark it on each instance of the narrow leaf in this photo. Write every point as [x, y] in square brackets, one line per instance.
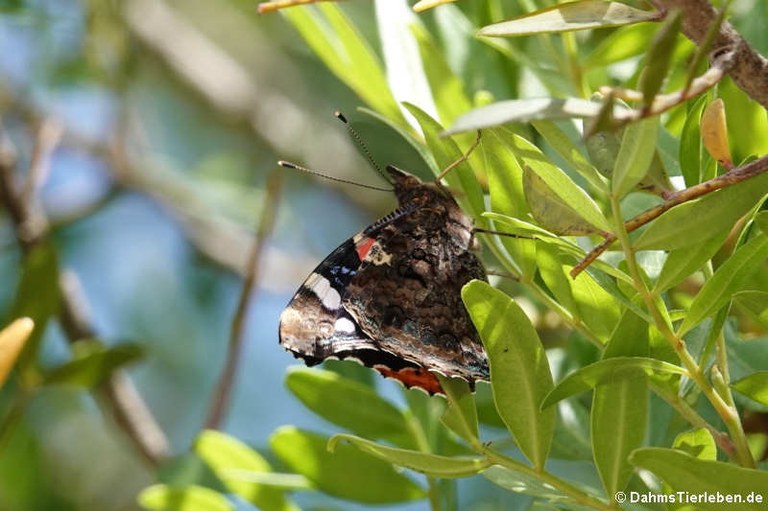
[635, 154]
[560, 142]
[754, 386]
[161, 497]
[701, 219]
[683, 262]
[12, 339]
[694, 477]
[446, 152]
[559, 183]
[732, 276]
[232, 461]
[520, 376]
[690, 143]
[426, 463]
[349, 404]
[461, 414]
[346, 472]
[697, 443]
[95, 367]
[659, 57]
[620, 409]
[607, 371]
[526, 110]
[570, 16]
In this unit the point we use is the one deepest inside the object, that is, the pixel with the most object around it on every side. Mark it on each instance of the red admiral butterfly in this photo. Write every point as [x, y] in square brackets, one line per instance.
[390, 297]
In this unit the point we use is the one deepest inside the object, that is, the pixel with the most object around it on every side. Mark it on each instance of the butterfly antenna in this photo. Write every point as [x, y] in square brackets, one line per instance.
[290, 165]
[361, 144]
[462, 159]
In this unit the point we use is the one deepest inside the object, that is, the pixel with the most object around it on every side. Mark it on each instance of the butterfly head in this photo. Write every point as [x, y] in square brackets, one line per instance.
[410, 189]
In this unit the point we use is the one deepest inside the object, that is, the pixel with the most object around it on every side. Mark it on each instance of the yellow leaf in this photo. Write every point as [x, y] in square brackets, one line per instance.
[714, 133]
[12, 339]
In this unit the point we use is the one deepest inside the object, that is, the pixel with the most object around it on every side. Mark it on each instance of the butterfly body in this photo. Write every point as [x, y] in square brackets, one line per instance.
[390, 297]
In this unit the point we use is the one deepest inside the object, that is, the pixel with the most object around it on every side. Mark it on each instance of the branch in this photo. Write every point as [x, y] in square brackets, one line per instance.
[750, 69]
[30, 228]
[737, 175]
[221, 395]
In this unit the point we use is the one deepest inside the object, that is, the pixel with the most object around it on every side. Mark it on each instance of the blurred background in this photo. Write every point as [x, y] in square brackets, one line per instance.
[143, 134]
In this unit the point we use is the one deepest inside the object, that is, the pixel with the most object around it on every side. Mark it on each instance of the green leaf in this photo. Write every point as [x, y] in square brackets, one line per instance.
[405, 70]
[349, 404]
[597, 308]
[701, 219]
[447, 88]
[620, 408]
[526, 110]
[635, 154]
[624, 43]
[690, 143]
[505, 182]
[447, 152]
[37, 296]
[754, 386]
[232, 461]
[580, 15]
[659, 57]
[732, 276]
[336, 41]
[694, 476]
[461, 414]
[756, 302]
[520, 376]
[425, 463]
[609, 371]
[697, 443]
[550, 211]
[564, 188]
[520, 482]
[161, 497]
[683, 262]
[346, 473]
[95, 367]
[560, 142]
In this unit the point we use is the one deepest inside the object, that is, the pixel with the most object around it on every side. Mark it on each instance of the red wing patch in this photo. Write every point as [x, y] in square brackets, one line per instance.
[417, 377]
[364, 246]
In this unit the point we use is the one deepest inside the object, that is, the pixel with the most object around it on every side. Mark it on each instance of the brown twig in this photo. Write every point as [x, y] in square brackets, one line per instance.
[221, 395]
[750, 69]
[30, 228]
[737, 175]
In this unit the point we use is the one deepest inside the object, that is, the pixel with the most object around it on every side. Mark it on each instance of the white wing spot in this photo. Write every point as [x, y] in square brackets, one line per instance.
[345, 326]
[328, 296]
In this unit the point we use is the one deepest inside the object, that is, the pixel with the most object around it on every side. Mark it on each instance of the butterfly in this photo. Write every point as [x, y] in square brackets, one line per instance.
[390, 297]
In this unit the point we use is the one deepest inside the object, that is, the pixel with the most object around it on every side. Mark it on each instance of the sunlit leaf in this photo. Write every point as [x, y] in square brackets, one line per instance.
[714, 133]
[690, 143]
[426, 463]
[520, 376]
[609, 371]
[695, 476]
[697, 443]
[579, 15]
[732, 276]
[526, 110]
[161, 497]
[754, 386]
[231, 461]
[620, 408]
[550, 211]
[566, 191]
[346, 472]
[696, 221]
[635, 154]
[12, 339]
[682, 262]
[461, 414]
[349, 404]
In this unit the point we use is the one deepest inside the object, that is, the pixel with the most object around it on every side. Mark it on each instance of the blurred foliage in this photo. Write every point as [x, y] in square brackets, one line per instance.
[139, 136]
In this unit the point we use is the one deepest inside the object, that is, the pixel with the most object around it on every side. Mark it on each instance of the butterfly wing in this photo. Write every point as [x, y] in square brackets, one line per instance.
[406, 294]
[315, 325]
